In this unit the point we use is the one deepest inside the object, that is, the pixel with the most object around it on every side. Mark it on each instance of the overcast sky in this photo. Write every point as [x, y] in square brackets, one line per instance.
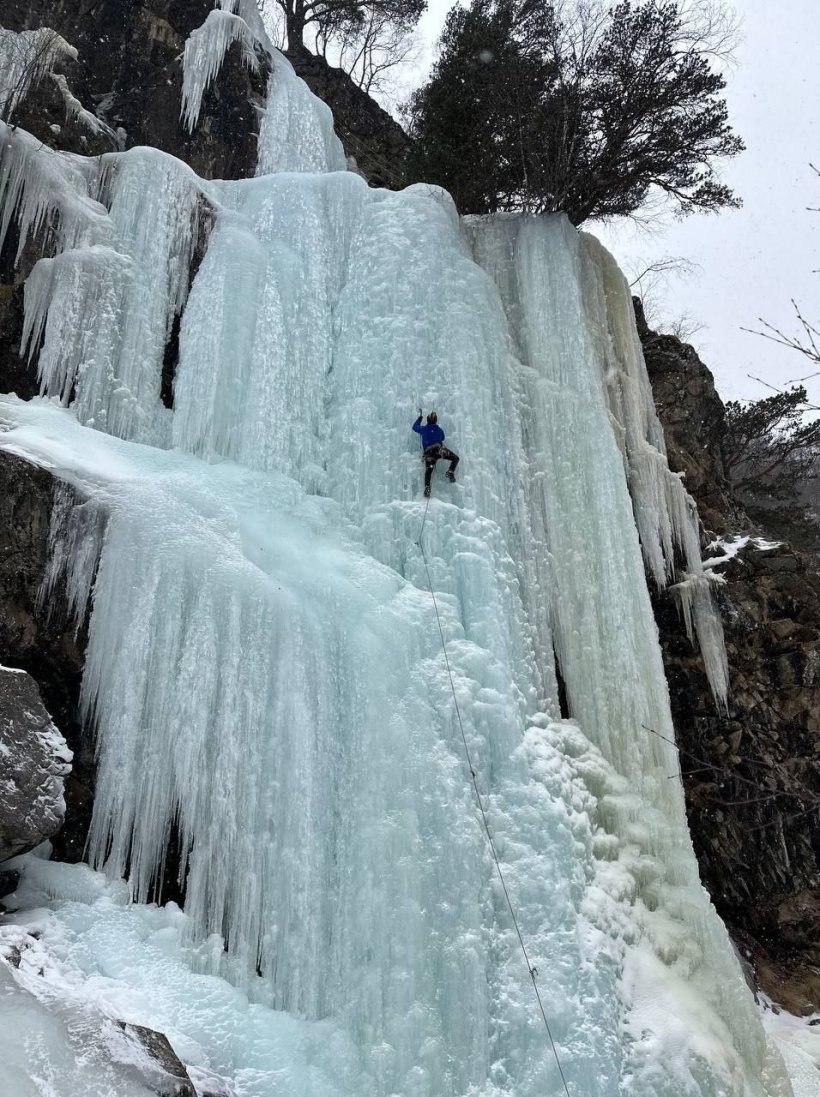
[750, 262]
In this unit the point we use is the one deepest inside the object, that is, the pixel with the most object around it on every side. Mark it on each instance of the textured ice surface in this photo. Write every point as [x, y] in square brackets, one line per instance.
[799, 1040]
[264, 668]
[46, 190]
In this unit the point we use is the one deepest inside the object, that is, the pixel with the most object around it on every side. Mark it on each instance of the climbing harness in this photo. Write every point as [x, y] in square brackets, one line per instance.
[532, 970]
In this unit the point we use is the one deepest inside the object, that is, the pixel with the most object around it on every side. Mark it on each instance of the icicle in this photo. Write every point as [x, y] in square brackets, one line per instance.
[665, 514]
[39, 187]
[205, 51]
[104, 307]
[61, 296]
[25, 59]
[75, 542]
[702, 620]
[105, 312]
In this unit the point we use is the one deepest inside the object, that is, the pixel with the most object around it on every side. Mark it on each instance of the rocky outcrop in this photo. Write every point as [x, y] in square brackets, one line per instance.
[160, 1064]
[42, 638]
[34, 760]
[693, 421]
[128, 73]
[376, 141]
[752, 774]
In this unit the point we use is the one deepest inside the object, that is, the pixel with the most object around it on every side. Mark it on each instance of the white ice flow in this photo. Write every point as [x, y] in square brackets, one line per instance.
[264, 669]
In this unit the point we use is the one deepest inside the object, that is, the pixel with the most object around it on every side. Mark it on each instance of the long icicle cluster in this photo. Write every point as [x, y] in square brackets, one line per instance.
[205, 51]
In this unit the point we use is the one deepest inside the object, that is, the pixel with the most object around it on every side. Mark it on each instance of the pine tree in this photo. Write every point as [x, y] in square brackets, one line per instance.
[526, 109]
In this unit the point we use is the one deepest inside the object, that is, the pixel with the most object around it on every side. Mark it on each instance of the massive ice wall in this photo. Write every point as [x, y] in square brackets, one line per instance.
[264, 670]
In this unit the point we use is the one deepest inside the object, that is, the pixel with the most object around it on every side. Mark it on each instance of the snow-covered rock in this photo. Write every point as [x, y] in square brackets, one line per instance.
[49, 1033]
[34, 760]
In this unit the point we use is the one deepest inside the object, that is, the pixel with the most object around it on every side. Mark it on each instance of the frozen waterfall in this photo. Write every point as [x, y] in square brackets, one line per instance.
[264, 673]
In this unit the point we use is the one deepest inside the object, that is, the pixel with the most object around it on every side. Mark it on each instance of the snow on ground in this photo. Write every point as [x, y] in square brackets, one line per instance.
[79, 957]
[798, 1039]
[98, 958]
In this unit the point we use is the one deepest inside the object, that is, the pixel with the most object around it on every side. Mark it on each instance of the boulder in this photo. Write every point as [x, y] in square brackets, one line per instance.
[34, 761]
[40, 637]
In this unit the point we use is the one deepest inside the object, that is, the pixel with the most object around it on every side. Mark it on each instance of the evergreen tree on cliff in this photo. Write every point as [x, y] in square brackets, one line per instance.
[343, 17]
[529, 107]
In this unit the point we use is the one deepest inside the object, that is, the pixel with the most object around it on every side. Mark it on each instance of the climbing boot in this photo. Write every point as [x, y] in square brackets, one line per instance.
[426, 491]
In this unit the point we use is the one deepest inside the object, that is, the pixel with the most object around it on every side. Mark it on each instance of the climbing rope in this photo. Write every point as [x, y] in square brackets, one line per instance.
[533, 971]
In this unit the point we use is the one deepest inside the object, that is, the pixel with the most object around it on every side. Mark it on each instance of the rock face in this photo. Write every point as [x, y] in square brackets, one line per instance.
[34, 760]
[42, 639]
[129, 74]
[752, 775]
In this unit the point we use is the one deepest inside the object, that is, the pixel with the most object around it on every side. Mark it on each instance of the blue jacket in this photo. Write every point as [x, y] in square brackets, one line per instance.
[431, 433]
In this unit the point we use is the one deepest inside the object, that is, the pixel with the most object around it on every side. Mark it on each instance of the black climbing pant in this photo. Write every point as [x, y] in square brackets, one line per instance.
[438, 453]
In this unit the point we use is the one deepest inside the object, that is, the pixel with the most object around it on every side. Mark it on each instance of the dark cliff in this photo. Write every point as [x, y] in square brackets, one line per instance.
[752, 775]
[129, 74]
[40, 636]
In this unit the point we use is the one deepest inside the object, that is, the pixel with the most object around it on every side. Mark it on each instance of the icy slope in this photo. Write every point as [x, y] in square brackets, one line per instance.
[264, 669]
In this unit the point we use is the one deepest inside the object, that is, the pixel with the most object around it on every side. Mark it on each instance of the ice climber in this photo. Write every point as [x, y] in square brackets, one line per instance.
[432, 437]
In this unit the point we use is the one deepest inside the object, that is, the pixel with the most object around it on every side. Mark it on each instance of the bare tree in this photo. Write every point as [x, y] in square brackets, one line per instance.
[650, 283]
[369, 52]
[712, 28]
[339, 18]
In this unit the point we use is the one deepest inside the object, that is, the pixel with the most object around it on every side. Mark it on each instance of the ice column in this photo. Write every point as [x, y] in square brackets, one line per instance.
[296, 132]
[104, 307]
[205, 50]
[297, 128]
[606, 641]
[665, 514]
